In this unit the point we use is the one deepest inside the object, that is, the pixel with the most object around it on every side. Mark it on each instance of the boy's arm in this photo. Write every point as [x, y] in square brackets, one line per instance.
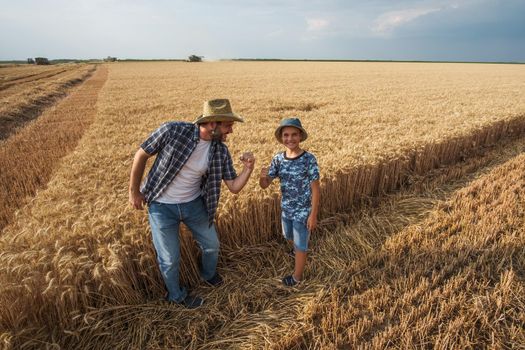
[264, 179]
[316, 195]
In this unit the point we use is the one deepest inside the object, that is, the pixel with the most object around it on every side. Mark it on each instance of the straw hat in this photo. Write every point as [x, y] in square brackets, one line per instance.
[293, 122]
[218, 110]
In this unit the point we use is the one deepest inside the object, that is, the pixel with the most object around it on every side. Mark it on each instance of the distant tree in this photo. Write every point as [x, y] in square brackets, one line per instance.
[195, 58]
[110, 59]
[41, 60]
[30, 61]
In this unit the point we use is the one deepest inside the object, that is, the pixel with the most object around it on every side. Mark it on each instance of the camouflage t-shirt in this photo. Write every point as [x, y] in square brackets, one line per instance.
[296, 175]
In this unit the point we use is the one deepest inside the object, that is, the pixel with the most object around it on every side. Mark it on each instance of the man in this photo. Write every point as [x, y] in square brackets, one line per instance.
[184, 185]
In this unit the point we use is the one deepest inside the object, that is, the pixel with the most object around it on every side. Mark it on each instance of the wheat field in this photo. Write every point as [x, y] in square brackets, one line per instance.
[78, 268]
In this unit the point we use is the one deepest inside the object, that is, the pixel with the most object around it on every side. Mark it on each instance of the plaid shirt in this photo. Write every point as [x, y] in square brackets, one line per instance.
[173, 143]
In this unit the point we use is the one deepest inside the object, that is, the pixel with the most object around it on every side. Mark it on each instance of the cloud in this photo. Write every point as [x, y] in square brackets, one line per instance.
[316, 24]
[275, 34]
[388, 21]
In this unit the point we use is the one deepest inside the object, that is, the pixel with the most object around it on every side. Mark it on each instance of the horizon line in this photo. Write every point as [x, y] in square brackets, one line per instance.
[59, 60]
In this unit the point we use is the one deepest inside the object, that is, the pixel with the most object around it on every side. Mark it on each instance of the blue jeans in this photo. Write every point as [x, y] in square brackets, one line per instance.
[297, 232]
[165, 220]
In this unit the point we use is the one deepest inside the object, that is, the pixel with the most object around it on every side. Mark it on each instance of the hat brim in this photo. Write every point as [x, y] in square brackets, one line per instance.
[304, 134]
[232, 117]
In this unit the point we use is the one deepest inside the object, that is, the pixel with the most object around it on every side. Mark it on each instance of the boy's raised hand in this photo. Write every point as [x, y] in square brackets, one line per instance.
[264, 179]
[264, 171]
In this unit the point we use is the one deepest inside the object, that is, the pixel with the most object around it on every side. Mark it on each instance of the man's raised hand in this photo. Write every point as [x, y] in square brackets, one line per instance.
[248, 160]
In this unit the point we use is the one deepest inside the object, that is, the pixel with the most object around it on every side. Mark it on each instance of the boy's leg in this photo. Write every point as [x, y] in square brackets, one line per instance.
[287, 226]
[300, 263]
[164, 223]
[195, 217]
[301, 235]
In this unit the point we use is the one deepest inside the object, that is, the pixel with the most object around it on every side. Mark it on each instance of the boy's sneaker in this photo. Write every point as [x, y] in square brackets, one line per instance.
[290, 281]
[191, 302]
[215, 281]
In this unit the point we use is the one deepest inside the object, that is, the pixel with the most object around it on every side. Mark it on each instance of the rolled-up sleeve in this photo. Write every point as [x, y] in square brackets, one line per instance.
[273, 171]
[313, 169]
[228, 171]
[156, 141]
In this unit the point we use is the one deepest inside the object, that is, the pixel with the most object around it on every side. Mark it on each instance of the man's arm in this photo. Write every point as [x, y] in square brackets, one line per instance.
[236, 185]
[316, 195]
[136, 198]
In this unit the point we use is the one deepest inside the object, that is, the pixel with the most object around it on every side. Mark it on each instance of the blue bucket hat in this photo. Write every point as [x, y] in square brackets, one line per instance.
[293, 122]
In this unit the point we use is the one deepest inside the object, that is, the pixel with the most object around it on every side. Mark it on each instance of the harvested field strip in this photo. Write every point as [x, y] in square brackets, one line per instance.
[109, 302]
[25, 101]
[29, 157]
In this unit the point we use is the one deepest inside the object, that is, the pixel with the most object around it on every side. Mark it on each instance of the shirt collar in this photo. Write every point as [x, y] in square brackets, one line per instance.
[196, 136]
[196, 133]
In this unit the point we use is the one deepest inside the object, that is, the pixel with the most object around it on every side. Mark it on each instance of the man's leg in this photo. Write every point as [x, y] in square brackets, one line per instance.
[195, 217]
[164, 221]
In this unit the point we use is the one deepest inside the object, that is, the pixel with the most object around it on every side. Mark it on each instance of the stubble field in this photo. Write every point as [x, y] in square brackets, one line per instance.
[421, 230]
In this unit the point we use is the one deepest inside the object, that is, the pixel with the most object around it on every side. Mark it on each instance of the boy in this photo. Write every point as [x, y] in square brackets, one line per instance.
[298, 173]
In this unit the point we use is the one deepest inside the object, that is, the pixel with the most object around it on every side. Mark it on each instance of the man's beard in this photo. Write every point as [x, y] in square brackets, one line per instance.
[216, 135]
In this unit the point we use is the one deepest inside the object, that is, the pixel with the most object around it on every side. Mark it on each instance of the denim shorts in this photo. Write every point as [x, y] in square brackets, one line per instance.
[297, 232]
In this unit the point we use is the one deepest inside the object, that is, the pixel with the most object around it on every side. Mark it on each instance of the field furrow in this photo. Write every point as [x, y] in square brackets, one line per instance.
[21, 81]
[25, 99]
[9, 73]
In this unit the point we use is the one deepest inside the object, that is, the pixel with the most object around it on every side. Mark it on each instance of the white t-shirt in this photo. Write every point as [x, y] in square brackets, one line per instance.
[186, 185]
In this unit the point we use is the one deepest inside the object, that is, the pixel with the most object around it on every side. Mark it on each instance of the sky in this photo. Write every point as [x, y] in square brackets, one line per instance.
[435, 30]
